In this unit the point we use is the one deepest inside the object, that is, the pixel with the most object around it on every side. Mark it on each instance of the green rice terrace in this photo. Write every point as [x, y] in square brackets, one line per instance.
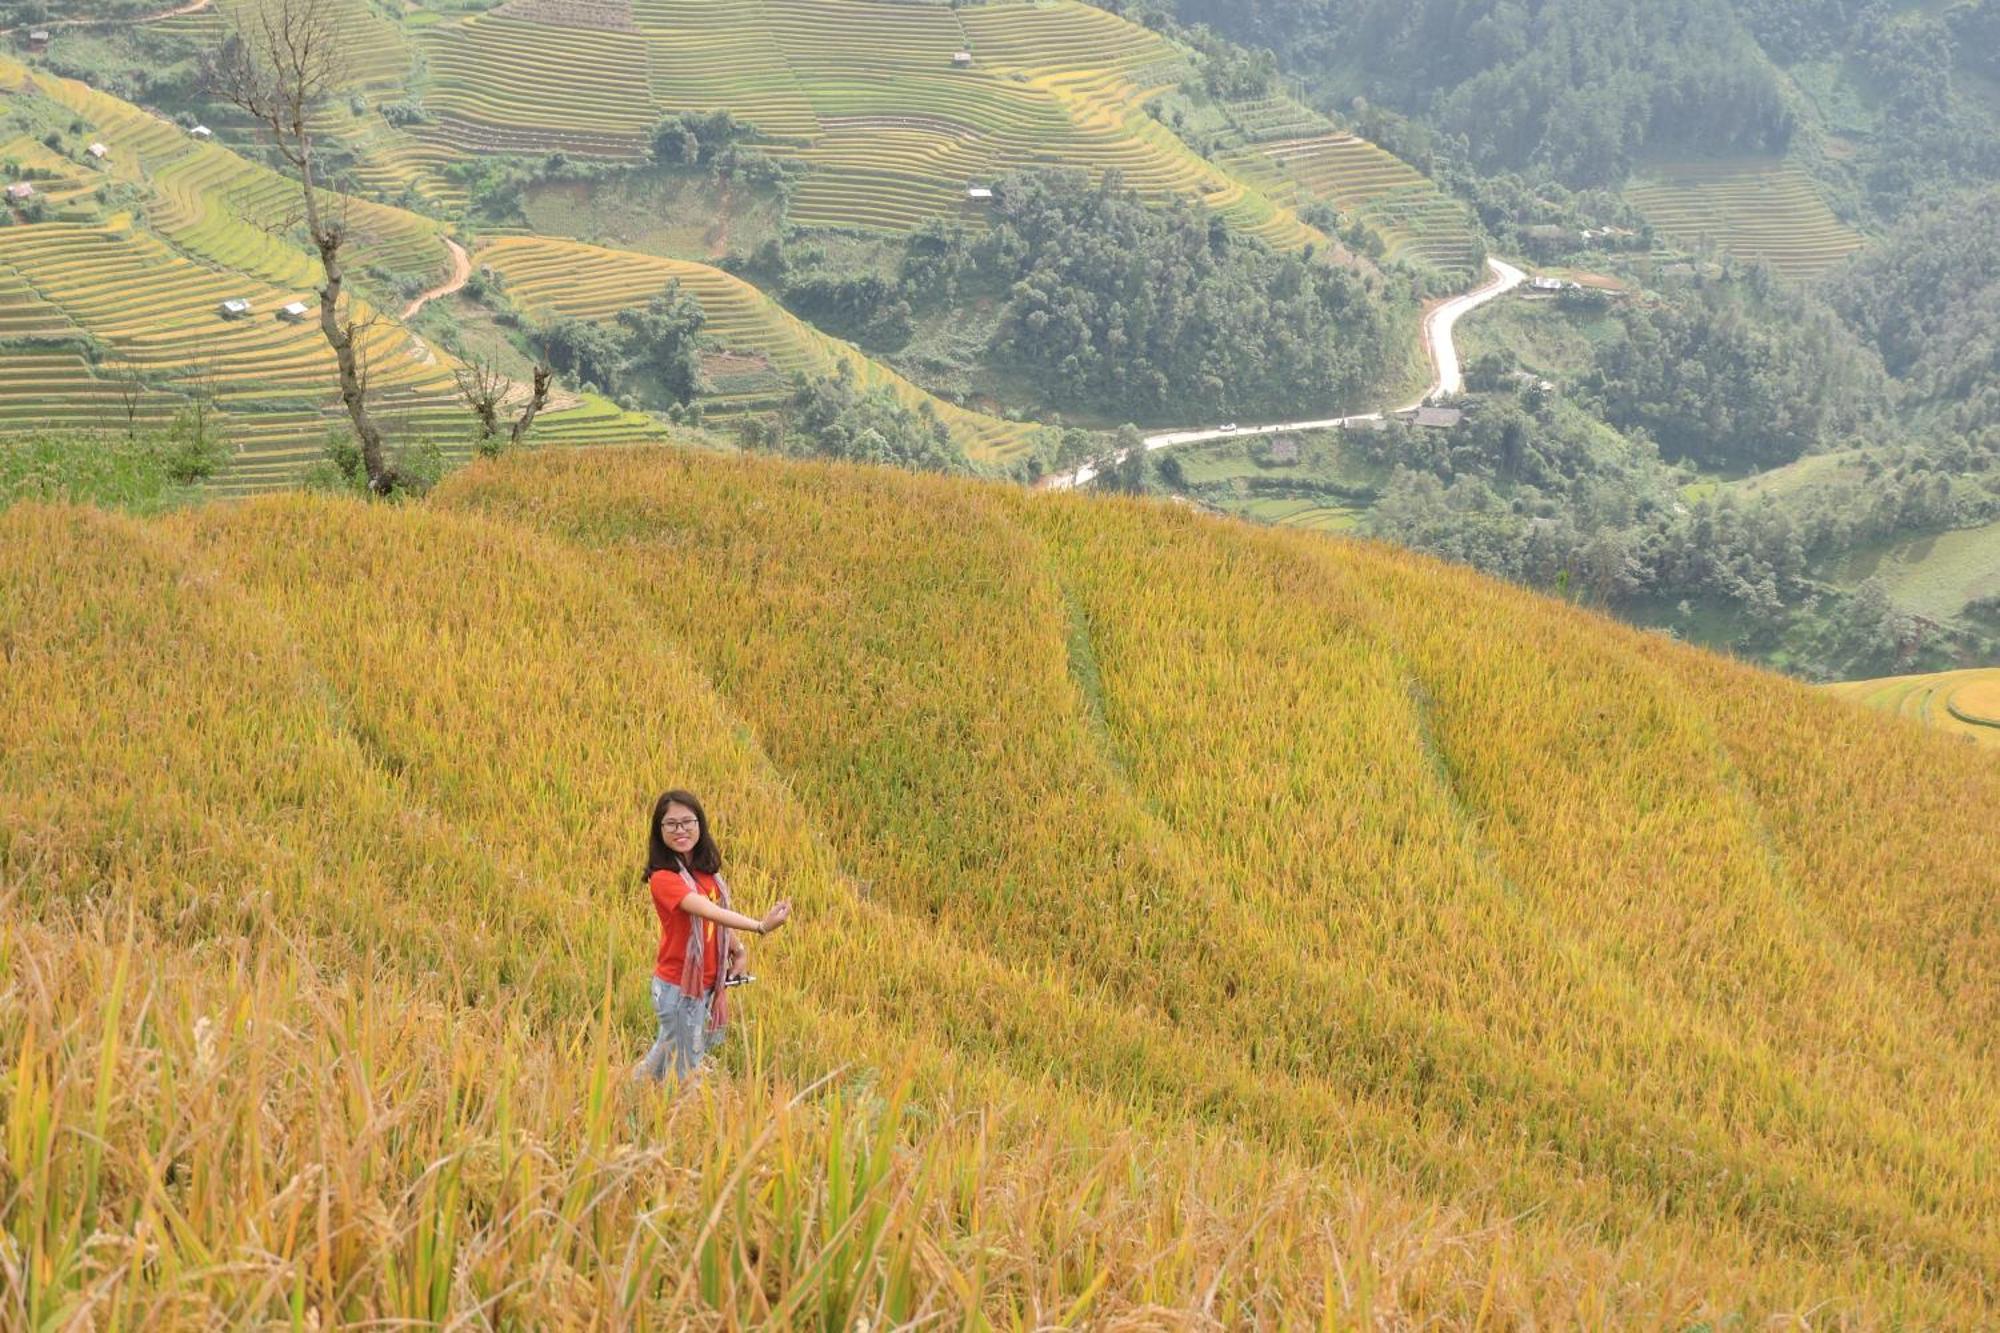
[1296, 157]
[1752, 209]
[894, 129]
[116, 317]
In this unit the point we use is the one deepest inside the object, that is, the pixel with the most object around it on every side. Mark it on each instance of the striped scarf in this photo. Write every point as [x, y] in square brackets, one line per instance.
[718, 1009]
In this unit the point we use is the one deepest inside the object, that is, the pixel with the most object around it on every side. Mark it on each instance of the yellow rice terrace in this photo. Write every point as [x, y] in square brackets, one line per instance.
[1195, 926]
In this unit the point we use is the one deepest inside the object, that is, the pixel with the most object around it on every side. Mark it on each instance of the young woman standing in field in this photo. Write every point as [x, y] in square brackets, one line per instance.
[700, 942]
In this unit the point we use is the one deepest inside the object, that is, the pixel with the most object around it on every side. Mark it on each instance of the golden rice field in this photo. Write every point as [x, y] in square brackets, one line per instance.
[1964, 703]
[549, 278]
[1752, 209]
[1198, 925]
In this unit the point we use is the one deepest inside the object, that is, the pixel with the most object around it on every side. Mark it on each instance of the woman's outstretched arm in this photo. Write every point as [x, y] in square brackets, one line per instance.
[695, 904]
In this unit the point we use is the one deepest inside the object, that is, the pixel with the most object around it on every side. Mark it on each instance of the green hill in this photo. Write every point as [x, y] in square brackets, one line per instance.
[1197, 923]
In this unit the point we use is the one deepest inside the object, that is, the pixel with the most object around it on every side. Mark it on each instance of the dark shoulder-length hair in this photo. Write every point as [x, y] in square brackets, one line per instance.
[704, 856]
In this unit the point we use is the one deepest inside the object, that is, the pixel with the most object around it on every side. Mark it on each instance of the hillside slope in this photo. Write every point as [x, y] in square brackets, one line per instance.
[1961, 703]
[1194, 921]
[110, 298]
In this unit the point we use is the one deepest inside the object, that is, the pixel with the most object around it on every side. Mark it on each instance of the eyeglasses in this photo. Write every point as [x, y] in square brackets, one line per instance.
[680, 825]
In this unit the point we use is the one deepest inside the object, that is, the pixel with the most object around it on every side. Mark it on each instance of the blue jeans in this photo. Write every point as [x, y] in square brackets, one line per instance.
[683, 1037]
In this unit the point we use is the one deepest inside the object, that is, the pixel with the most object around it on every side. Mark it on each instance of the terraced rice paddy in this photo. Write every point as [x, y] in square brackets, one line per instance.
[500, 84]
[1416, 220]
[56, 390]
[1752, 209]
[550, 278]
[705, 54]
[866, 94]
[144, 296]
[374, 51]
[1312, 515]
[219, 207]
[58, 182]
[1964, 702]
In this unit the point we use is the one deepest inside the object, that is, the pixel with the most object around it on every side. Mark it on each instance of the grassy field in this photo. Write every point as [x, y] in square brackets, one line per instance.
[1197, 925]
[1965, 703]
[1323, 487]
[681, 215]
[1937, 574]
[1543, 337]
[1751, 208]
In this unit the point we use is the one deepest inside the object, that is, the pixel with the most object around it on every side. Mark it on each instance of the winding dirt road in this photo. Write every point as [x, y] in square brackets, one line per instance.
[1446, 378]
[461, 270]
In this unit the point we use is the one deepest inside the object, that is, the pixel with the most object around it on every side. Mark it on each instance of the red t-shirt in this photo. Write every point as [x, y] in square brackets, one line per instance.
[668, 890]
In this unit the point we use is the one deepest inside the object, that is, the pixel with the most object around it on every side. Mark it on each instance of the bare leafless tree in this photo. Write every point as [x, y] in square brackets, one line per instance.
[485, 390]
[279, 67]
[198, 382]
[130, 390]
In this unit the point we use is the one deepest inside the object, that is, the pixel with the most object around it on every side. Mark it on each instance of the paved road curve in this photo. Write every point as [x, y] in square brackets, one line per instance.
[1447, 377]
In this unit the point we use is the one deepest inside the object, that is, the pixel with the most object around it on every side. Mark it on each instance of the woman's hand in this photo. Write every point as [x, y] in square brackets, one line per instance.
[775, 918]
[737, 956]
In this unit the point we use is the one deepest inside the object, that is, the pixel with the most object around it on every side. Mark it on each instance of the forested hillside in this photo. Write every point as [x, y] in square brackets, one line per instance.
[1928, 298]
[1196, 924]
[1892, 102]
[1579, 88]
